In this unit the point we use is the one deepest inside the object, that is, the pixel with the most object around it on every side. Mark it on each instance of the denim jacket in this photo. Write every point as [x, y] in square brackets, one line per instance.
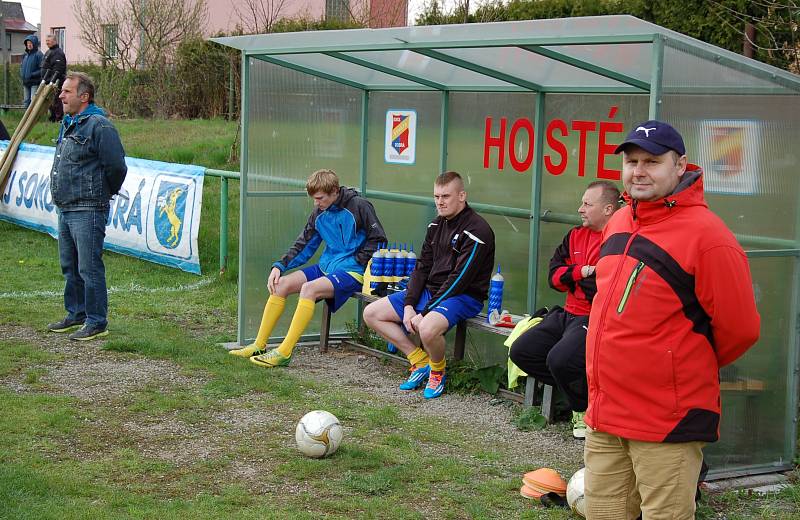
[89, 165]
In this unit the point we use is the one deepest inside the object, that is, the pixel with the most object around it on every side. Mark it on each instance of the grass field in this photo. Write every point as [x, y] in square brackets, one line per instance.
[158, 422]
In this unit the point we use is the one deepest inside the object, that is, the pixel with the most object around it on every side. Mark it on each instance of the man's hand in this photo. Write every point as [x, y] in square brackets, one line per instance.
[587, 271]
[408, 318]
[272, 281]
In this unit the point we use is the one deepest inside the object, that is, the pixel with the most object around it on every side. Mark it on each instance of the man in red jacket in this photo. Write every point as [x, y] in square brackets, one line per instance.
[674, 303]
[554, 351]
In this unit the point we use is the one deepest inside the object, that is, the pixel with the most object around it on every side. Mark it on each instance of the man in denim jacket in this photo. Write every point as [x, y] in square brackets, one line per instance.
[88, 169]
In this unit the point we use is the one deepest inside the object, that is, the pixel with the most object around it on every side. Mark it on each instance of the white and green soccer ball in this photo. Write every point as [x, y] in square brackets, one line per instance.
[318, 434]
[575, 496]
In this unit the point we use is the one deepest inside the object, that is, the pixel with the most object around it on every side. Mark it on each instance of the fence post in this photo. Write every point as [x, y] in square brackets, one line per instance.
[223, 225]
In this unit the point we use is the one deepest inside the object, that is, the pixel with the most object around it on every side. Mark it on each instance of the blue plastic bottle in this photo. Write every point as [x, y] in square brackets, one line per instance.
[411, 261]
[495, 293]
[378, 260]
[390, 348]
[400, 262]
[388, 267]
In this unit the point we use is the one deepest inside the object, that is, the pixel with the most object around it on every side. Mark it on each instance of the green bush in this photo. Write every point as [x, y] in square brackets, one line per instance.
[15, 93]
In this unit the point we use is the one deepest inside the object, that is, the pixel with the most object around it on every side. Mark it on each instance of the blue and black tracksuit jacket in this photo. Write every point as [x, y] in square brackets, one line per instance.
[457, 257]
[350, 229]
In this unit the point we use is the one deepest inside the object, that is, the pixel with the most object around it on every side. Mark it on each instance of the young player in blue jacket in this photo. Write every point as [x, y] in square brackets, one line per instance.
[351, 231]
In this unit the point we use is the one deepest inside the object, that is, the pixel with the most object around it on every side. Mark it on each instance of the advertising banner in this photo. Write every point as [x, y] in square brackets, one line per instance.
[155, 217]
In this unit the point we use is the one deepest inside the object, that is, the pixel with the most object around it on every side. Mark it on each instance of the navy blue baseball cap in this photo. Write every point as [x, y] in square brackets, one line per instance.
[656, 137]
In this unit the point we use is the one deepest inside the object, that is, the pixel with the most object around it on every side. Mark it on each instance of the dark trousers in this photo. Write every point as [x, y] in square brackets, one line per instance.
[80, 250]
[56, 108]
[554, 352]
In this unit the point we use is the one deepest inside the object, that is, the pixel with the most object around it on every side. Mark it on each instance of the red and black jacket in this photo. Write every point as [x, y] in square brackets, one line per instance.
[580, 247]
[457, 257]
[674, 303]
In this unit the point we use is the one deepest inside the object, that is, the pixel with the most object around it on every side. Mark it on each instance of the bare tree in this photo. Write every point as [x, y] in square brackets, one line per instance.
[370, 13]
[260, 16]
[94, 18]
[147, 32]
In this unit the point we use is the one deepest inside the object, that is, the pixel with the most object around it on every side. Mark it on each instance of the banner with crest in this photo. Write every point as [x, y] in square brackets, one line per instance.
[155, 217]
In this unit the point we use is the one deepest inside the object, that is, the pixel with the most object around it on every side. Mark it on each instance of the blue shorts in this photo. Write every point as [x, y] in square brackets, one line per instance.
[344, 285]
[455, 309]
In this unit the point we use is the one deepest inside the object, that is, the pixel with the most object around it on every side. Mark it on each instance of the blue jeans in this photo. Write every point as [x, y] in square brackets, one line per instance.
[29, 93]
[80, 250]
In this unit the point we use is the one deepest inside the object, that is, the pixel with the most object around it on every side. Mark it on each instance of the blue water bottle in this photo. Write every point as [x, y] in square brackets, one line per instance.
[495, 294]
[411, 261]
[388, 266]
[378, 261]
[400, 262]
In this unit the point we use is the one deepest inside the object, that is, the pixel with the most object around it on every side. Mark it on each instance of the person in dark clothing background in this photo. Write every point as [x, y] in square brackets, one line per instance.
[54, 65]
[31, 68]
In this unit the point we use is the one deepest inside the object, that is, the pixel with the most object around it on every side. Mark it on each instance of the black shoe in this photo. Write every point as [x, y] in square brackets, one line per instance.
[89, 332]
[65, 325]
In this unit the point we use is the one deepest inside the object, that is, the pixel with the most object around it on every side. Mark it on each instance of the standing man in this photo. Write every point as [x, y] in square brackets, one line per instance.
[54, 66]
[88, 169]
[31, 68]
[674, 304]
[554, 351]
[448, 285]
[348, 225]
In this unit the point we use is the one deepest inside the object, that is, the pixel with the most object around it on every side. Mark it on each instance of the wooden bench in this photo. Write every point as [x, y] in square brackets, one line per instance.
[477, 323]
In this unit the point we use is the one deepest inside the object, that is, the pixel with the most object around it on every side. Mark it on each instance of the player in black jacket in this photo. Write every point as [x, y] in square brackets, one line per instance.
[448, 285]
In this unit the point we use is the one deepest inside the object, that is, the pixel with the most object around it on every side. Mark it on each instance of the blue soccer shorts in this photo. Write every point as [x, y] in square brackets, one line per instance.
[455, 309]
[344, 285]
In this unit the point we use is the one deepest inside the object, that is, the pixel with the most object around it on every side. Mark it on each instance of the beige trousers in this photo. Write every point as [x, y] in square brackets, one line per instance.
[625, 477]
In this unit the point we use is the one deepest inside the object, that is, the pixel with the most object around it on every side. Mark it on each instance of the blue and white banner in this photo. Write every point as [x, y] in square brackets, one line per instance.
[156, 215]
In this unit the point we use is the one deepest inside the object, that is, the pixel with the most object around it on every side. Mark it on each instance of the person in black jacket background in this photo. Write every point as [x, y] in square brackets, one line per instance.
[448, 285]
[54, 66]
[31, 68]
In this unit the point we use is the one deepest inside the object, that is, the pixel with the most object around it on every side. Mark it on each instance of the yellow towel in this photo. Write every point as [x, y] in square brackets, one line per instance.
[514, 372]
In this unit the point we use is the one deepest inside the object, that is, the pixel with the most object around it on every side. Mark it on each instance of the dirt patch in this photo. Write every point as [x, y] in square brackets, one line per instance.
[107, 379]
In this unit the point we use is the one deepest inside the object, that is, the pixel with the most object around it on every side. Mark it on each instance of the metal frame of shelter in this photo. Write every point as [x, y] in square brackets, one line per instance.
[580, 56]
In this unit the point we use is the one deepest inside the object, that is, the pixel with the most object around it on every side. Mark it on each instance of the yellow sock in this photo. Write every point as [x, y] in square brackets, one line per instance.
[302, 316]
[438, 366]
[272, 311]
[418, 358]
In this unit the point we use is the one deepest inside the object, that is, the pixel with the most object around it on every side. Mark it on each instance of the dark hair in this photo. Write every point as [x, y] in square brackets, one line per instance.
[85, 84]
[610, 192]
[447, 177]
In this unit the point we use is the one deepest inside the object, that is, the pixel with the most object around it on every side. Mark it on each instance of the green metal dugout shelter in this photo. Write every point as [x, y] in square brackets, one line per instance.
[529, 113]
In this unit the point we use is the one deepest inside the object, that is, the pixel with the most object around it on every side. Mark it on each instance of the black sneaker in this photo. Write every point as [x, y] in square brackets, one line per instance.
[89, 332]
[65, 325]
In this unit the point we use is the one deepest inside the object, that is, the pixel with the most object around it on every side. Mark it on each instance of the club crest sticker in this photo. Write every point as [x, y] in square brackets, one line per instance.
[401, 137]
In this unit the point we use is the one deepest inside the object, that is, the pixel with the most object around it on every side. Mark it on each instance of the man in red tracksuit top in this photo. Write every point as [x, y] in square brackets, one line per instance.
[554, 351]
[674, 303]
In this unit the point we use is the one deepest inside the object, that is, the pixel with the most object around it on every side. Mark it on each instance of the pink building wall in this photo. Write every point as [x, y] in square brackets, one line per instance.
[222, 16]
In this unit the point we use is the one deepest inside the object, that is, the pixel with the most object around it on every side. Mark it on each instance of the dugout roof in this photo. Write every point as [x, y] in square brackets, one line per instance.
[592, 54]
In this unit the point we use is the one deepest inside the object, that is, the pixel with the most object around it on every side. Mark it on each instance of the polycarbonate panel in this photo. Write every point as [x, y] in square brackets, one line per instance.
[747, 146]
[431, 69]
[694, 72]
[350, 71]
[529, 30]
[630, 59]
[502, 185]
[414, 178]
[757, 429]
[298, 124]
[273, 225]
[532, 67]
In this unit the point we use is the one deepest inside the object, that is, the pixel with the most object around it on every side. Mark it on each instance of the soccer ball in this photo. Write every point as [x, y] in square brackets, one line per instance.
[575, 493]
[318, 434]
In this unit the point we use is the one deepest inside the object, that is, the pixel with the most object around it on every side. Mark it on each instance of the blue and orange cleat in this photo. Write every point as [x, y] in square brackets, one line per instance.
[435, 386]
[417, 378]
